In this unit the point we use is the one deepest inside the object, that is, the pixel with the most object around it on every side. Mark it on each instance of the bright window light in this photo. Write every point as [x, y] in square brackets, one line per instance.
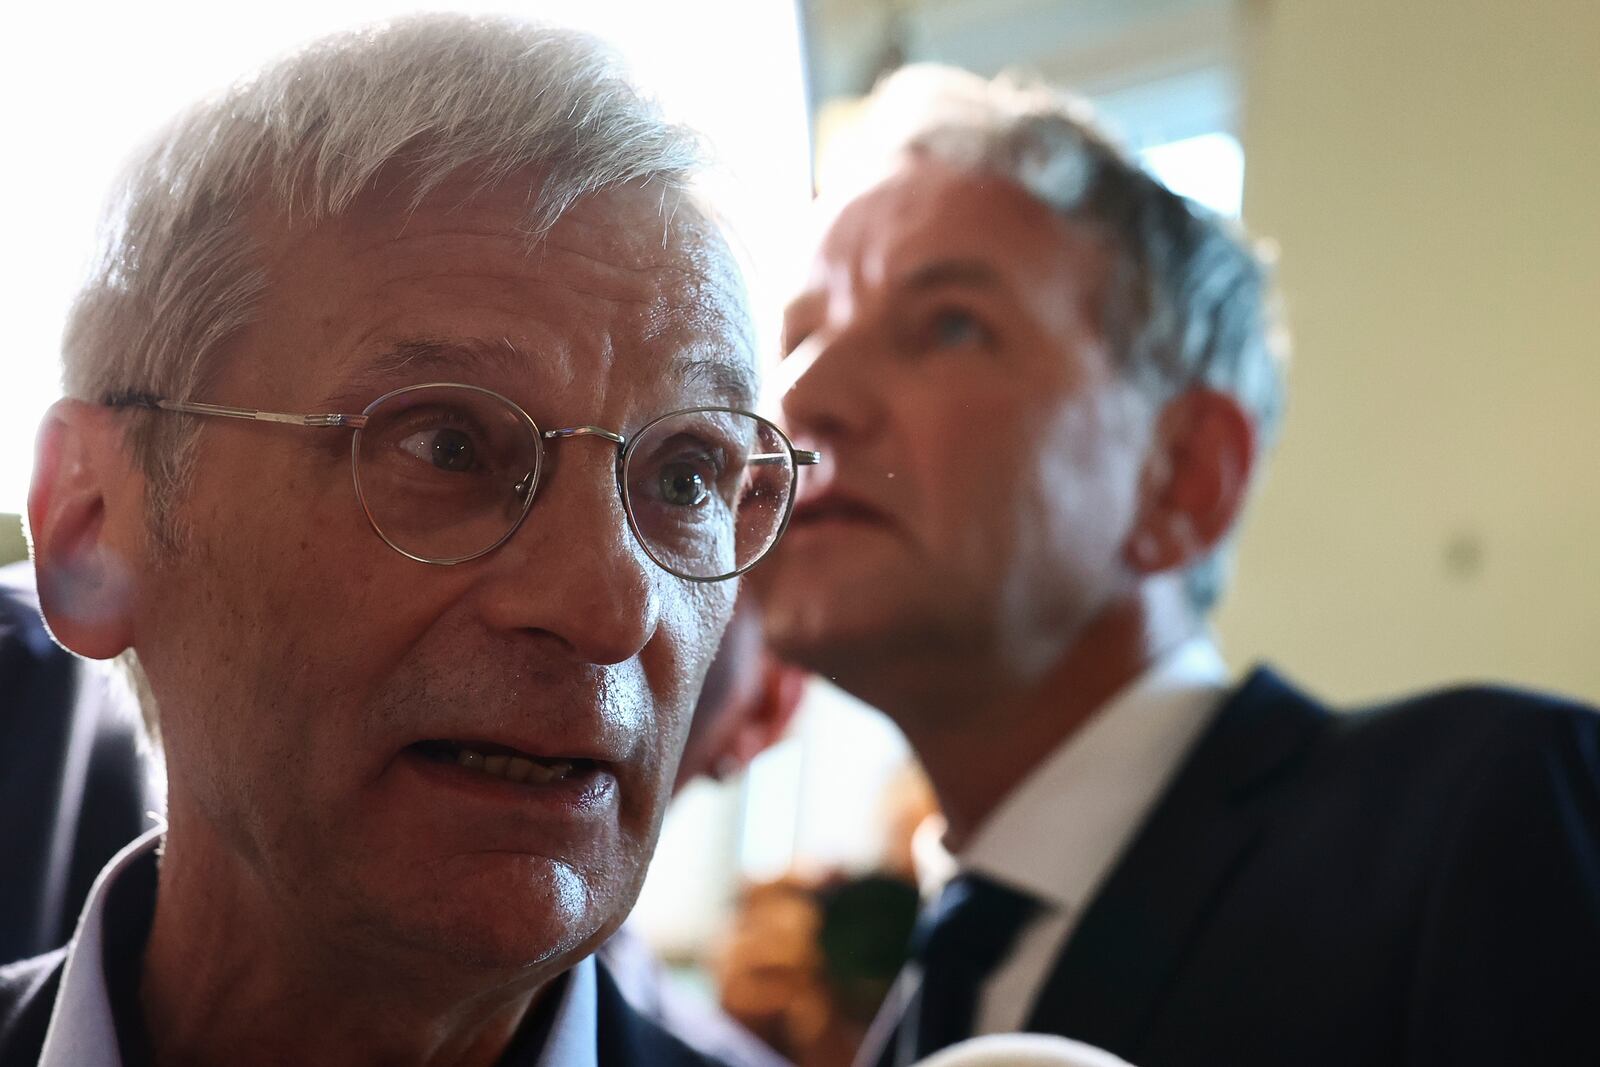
[1208, 169]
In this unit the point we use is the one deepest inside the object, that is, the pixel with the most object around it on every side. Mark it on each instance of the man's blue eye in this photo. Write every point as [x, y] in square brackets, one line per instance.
[683, 485]
[447, 449]
[951, 329]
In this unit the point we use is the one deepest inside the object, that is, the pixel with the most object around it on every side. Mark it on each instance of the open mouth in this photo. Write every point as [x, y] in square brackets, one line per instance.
[498, 761]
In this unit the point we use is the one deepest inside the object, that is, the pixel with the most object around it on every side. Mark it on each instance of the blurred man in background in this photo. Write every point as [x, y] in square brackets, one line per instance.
[746, 704]
[405, 447]
[1045, 384]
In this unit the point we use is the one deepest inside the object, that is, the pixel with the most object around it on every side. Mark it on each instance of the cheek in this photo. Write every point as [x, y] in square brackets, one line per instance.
[355, 603]
[1021, 478]
[967, 450]
[1086, 478]
[300, 620]
[693, 618]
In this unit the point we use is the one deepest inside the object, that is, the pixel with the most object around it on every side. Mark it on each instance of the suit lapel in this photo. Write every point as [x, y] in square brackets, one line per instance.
[1136, 931]
[628, 1039]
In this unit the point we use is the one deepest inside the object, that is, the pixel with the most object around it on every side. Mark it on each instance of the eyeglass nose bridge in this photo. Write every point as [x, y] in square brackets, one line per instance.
[526, 485]
[585, 431]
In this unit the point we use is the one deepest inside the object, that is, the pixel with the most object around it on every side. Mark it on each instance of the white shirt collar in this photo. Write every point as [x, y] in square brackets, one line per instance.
[574, 1032]
[1060, 830]
[82, 1033]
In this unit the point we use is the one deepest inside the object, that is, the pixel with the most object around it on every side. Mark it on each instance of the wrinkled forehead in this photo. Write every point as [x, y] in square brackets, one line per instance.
[637, 270]
[927, 201]
[926, 219]
[696, 250]
[671, 246]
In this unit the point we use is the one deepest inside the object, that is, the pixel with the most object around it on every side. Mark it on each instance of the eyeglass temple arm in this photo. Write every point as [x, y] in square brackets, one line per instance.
[803, 457]
[194, 407]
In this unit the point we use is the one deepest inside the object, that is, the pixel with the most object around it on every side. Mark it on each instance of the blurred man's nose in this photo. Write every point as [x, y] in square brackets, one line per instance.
[834, 387]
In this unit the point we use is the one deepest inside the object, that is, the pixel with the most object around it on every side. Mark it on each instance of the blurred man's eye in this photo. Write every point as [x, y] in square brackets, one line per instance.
[955, 328]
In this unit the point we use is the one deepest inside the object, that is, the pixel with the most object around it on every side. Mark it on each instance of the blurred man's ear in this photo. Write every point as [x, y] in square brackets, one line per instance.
[82, 485]
[782, 687]
[739, 723]
[1194, 481]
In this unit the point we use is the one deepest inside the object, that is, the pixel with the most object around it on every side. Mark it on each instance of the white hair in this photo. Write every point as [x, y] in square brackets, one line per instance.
[1190, 303]
[180, 272]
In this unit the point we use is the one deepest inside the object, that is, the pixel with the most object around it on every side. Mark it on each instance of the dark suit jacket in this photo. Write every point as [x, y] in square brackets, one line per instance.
[1415, 884]
[73, 782]
[28, 992]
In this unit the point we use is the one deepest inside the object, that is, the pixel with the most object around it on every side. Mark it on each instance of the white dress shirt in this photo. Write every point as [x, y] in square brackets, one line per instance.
[82, 1033]
[1058, 834]
[1060, 831]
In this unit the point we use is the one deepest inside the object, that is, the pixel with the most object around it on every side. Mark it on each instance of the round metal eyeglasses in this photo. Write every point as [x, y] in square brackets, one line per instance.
[447, 472]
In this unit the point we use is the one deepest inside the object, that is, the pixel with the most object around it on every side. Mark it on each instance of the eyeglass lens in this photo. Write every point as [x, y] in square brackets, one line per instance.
[708, 491]
[438, 470]
[446, 472]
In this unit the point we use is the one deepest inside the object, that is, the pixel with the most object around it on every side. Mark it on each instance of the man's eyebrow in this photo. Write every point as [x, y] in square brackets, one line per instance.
[970, 272]
[733, 381]
[411, 356]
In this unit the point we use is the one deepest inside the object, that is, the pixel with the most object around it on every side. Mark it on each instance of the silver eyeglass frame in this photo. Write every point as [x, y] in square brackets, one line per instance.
[797, 457]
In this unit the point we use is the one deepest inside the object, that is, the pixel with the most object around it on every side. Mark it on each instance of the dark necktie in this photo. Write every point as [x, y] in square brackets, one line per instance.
[958, 945]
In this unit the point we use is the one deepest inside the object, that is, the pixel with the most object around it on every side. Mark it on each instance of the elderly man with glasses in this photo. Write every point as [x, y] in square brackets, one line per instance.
[406, 451]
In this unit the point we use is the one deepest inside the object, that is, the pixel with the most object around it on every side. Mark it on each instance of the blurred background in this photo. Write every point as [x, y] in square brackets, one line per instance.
[1427, 172]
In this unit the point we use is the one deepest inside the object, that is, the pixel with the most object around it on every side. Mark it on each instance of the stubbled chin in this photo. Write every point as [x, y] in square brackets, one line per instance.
[507, 913]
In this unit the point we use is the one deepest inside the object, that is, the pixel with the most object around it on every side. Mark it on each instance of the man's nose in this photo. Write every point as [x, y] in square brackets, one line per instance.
[573, 570]
[835, 389]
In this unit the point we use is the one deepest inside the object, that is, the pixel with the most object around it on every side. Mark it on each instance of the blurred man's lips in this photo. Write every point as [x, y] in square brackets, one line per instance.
[834, 507]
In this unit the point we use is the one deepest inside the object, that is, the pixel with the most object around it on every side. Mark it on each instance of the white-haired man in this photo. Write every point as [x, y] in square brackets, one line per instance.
[1043, 382]
[405, 447]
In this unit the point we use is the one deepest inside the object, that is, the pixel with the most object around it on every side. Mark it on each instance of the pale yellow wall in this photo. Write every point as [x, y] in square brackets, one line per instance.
[1431, 171]
[13, 546]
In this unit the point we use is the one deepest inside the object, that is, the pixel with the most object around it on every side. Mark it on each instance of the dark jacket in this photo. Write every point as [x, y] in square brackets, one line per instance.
[74, 786]
[1416, 884]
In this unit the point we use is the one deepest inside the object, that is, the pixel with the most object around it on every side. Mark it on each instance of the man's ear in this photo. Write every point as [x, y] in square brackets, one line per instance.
[782, 687]
[82, 486]
[1194, 481]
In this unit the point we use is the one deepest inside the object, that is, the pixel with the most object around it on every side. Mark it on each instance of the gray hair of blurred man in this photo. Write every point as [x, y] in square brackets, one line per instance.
[179, 271]
[1189, 303]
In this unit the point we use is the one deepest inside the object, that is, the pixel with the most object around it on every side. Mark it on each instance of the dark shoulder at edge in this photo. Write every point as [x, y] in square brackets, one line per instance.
[27, 993]
[1477, 727]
